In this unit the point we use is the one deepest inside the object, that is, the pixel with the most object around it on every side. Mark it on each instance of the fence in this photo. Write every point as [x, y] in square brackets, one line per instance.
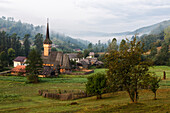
[63, 95]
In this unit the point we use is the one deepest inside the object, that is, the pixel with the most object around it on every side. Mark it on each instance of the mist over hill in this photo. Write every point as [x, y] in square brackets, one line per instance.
[11, 26]
[152, 29]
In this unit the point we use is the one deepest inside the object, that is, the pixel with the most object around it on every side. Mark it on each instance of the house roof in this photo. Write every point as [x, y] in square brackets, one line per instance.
[19, 68]
[91, 54]
[72, 55]
[57, 59]
[20, 59]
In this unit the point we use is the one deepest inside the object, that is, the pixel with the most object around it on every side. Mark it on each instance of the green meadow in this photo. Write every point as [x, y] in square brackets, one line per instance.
[17, 96]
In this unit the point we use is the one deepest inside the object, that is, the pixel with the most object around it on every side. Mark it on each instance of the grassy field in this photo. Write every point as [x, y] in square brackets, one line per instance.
[18, 97]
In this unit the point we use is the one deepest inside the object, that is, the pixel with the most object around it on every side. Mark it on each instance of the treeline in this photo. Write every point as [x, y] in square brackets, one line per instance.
[158, 47]
[96, 48]
[64, 43]
[11, 46]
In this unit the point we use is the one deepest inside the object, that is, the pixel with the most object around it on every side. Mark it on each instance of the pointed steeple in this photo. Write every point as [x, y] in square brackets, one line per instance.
[47, 40]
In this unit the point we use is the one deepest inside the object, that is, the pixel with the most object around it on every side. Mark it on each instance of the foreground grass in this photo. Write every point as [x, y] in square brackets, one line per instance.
[18, 97]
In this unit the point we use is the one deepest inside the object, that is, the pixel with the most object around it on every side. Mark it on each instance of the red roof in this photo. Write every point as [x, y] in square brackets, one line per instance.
[19, 68]
[20, 59]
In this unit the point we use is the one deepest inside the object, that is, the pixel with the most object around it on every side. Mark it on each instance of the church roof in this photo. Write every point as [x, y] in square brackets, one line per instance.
[57, 59]
[47, 39]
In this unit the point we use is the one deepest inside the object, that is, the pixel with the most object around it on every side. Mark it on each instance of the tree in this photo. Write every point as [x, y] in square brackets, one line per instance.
[38, 42]
[86, 53]
[126, 69]
[154, 85]
[11, 55]
[153, 51]
[4, 59]
[122, 44]
[113, 45]
[163, 56]
[27, 44]
[53, 49]
[96, 84]
[90, 46]
[167, 35]
[34, 65]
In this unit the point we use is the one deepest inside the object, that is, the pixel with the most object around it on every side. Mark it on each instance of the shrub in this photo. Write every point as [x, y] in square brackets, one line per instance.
[32, 78]
[154, 85]
[96, 84]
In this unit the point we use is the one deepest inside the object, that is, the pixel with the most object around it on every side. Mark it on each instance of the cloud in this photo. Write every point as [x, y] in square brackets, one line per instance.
[89, 15]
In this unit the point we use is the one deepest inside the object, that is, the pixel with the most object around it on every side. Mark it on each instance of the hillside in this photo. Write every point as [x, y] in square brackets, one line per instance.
[152, 29]
[67, 43]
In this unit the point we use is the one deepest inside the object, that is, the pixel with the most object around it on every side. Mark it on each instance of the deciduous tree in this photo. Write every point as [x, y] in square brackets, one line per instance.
[126, 69]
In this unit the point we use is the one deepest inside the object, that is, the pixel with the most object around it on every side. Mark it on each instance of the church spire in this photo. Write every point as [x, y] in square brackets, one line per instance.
[47, 40]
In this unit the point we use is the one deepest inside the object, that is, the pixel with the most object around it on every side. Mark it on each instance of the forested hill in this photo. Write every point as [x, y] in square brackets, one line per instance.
[65, 42]
[154, 29]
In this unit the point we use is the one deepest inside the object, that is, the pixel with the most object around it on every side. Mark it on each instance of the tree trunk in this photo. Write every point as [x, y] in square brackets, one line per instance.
[136, 97]
[131, 98]
[155, 96]
[99, 96]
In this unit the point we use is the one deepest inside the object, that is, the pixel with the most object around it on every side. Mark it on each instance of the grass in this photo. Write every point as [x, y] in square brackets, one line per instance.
[18, 97]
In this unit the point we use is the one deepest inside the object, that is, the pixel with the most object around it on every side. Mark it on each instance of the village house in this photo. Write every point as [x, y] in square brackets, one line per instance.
[73, 56]
[20, 60]
[91, 55]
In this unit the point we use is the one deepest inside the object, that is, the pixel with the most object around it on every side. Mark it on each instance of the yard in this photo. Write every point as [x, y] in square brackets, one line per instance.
[18, 96]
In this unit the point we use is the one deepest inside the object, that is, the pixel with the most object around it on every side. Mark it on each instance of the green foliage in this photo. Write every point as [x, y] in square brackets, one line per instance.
[38, 42]
[67, 43]
[126, 69]
[3, 59]
[113, 45]
[96, 84]
[149, 40]
[32, 78]
[154, 85]
[86, 53]
[27, 44]
[90, 46]
[11, 55]
[34, 65]
[167, 35]
[163, 57]
[53, 49]
[153, 51]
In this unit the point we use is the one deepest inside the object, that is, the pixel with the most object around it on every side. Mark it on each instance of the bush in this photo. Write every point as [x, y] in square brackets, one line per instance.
[96, 84]
[32, 78]
[154, 85]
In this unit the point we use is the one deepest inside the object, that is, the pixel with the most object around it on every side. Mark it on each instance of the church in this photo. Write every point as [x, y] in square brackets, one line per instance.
[53, 62]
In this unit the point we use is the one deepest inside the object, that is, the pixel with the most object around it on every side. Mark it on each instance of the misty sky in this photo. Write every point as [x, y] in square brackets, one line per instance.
[88, 15]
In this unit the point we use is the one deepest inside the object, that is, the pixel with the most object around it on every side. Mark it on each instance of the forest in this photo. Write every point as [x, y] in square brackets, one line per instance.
[65, 43]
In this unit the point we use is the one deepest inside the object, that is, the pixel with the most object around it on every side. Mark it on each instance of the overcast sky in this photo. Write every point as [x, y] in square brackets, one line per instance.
[88, 15]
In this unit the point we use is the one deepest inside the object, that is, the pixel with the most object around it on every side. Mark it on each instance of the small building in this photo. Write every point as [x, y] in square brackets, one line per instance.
[91, 55]
[20, 69]
[20, 60]
[73, 57]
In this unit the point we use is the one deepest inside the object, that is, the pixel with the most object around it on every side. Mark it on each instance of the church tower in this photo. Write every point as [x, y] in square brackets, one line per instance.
[47, 42]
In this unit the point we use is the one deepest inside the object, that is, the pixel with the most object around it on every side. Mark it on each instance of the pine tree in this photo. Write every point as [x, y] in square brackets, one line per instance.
[34, 65]
[26, 44]
[11, 55]
[39, 42]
